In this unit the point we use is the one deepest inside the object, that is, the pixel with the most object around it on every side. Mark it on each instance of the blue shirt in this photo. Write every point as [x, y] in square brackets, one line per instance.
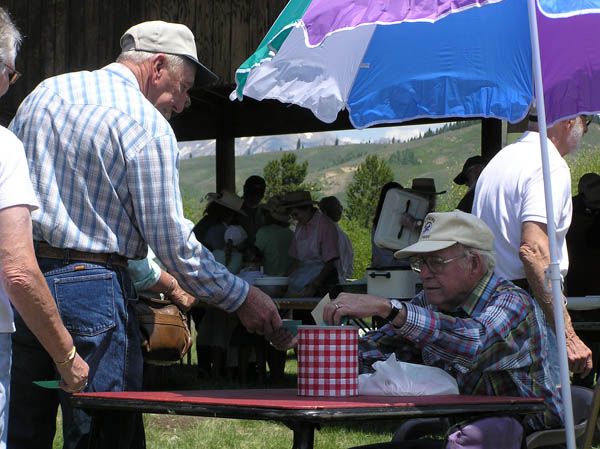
[104, 164]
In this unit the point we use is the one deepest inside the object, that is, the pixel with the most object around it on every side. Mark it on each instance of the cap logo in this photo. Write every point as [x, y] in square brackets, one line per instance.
[427, 228]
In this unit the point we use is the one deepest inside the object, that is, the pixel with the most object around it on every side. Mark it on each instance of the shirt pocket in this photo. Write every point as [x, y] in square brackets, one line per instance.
[86, 302]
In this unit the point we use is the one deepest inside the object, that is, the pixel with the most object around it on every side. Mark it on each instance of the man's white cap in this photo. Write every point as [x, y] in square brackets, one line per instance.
[163, 37]
[444, 229]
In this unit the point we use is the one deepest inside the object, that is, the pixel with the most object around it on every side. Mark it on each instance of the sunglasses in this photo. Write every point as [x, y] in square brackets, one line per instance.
[587, 119]
[13, 75]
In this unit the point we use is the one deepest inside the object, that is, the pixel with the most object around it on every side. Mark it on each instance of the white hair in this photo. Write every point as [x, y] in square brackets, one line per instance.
[174, 62]
[488, 257]
[10, 38]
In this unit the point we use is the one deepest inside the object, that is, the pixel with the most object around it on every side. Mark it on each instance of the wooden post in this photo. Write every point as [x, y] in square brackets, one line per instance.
[225, 163]
[491, 137]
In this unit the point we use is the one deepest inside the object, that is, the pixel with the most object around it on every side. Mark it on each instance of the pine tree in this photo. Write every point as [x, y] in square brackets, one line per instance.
[363, 192]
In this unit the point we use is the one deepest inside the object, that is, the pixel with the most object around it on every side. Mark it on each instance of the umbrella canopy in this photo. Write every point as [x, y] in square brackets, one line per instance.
[389, 62]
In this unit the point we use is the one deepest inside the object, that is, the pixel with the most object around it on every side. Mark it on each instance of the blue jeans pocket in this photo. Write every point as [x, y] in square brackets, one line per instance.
[86, 302]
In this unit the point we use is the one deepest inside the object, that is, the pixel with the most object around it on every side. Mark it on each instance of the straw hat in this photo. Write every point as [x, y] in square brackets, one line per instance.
[228, 200]
[275, 209]
[298, 198]
[424, 185]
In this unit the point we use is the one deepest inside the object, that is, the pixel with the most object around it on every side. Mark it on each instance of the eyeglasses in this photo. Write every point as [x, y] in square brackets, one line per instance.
[435, 264]
[13, 75]
[587, 119]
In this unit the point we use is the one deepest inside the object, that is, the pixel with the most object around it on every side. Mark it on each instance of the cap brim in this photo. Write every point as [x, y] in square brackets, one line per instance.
[423, 192]
[424, 246]
[204, 76]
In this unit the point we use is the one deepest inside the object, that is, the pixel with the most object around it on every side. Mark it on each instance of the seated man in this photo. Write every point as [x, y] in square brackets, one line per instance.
[483, 330]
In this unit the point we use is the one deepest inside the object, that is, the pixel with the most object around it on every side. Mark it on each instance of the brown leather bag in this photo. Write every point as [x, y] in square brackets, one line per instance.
[166, 336]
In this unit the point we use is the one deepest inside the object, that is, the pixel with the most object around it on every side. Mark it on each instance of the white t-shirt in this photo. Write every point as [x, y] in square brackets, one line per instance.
[15, 189]
[510, 191]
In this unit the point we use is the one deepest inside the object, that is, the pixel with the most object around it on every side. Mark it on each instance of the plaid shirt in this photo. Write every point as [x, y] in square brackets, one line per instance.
[104, 164]
[495, 343]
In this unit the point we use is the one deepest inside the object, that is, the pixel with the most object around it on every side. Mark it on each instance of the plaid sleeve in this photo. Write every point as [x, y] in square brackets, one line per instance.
[496, 339]
[154, 182]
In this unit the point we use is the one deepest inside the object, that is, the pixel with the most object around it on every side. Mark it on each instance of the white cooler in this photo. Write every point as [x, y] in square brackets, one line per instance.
[389, 233]
[393, 282]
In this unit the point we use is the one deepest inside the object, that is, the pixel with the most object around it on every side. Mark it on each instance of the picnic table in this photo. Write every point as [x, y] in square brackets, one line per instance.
[301, 414]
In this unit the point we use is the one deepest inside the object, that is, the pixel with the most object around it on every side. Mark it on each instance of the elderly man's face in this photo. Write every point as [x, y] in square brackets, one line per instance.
[170, 91]
[446, 275]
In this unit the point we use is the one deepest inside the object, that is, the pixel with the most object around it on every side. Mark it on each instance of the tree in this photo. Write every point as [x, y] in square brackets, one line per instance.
[363, 192]
[286, 175]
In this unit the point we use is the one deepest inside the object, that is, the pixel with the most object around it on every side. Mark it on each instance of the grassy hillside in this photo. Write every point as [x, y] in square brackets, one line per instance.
[439, 157]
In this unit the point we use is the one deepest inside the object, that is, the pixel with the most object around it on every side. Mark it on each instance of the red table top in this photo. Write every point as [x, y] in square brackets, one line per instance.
[288, 399]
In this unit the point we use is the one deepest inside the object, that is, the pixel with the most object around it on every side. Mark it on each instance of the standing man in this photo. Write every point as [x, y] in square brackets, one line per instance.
[509, 197]
[468, 177]
[103, 162]
[22, 283]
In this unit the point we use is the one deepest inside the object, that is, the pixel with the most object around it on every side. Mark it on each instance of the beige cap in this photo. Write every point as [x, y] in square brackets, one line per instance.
[163, 37]
[444, 229]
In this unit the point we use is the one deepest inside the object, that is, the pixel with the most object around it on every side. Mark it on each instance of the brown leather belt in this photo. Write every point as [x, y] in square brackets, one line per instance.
[42, 249]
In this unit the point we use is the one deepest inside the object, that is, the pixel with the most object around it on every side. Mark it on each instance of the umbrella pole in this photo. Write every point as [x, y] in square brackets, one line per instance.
[554, 268]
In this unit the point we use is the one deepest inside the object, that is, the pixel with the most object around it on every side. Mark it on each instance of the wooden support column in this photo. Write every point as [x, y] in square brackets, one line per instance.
[491, 137]
[225, 163]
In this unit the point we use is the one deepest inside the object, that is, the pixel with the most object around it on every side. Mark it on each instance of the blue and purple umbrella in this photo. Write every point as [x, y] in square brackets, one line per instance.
[393, 61]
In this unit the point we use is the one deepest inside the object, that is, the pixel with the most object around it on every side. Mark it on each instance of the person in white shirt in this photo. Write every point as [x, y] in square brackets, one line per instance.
[509, 198]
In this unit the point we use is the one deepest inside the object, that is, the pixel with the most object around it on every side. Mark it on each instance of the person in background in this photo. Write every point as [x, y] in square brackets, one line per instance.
[583, 277]
[213, 326]
[274, 238]
[512, 203]
[483, 330]
[220, 212]
[468, 176]
[332, 207]
[314, 248]
[23, 284]
[423, 187]
[104, 162]
[254, 192]
[383, 257]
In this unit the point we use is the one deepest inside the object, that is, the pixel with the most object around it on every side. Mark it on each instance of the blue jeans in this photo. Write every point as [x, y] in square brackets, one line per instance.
[93, 303]
[5, 355]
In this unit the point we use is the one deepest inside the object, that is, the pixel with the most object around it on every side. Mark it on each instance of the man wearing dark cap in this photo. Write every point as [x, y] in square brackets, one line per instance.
[468, 176]
[103, 162]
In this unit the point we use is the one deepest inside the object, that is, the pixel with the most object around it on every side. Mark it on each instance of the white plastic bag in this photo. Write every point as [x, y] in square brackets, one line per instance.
[394, 378]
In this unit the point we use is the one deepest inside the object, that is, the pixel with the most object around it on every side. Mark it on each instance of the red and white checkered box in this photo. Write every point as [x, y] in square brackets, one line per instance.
[327, 361]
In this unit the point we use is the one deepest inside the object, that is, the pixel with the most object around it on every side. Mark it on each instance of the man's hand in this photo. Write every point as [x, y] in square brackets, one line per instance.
[74, 375]
[282, 339]
[355, 306]
[579, 355]
[259, 314]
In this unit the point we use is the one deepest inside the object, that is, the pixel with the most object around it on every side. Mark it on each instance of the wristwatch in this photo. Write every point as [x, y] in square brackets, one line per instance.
[396, 308]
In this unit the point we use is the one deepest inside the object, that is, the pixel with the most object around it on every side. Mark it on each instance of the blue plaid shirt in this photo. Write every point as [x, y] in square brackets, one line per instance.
[494, 344]
[104, 164]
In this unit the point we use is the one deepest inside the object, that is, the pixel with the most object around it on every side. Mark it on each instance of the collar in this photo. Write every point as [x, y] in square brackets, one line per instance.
[122, 72]
[478, 296]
